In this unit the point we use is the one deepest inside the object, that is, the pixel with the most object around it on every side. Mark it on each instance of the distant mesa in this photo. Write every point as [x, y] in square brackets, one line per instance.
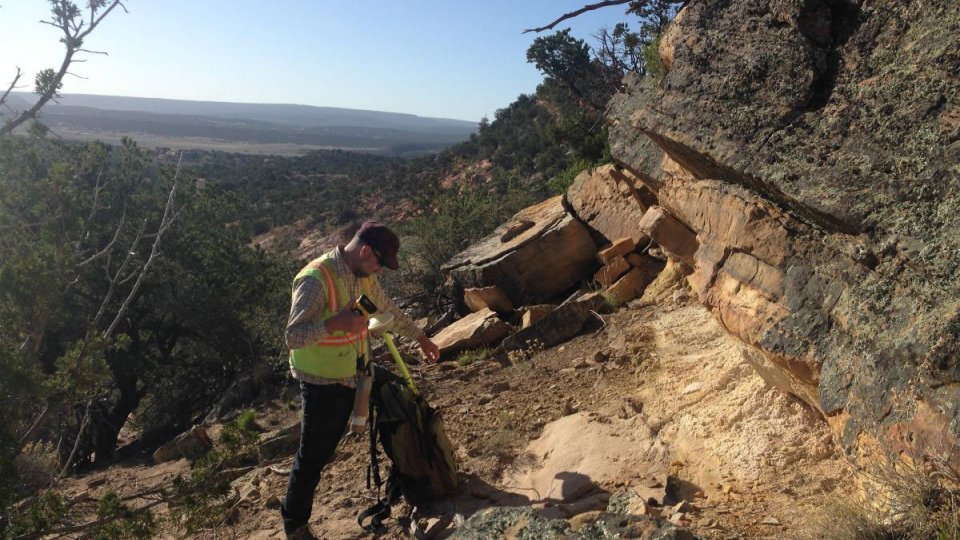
[245, 127]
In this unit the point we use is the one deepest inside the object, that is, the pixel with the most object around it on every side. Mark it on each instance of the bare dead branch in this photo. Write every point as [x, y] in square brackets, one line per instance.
[603, 323]
[116, 277]
[76, 443]
[22, 441]
[109, 246]
[73, 36]
[443, 321]
[573, 14]
[95, 20]
[94, 208]
[127, 278]
[88, 51]
[169, 216]
[144, 494]
[13, 84]
[103, 252]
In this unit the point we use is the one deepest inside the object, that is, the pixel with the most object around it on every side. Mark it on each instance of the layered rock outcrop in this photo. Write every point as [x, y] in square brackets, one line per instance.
[813, 149]
[607, 200]
[549, 252]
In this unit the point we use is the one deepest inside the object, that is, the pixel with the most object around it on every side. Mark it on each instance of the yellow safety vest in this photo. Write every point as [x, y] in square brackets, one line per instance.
[334, 356]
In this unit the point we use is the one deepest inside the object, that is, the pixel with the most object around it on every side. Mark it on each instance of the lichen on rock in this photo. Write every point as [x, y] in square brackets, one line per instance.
[834, 128]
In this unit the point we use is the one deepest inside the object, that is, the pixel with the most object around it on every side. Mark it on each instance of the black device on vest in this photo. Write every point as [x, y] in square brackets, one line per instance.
[364, 306]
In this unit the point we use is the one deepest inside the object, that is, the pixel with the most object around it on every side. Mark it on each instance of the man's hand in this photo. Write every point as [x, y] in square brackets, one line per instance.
[346, 320]
[430, 350]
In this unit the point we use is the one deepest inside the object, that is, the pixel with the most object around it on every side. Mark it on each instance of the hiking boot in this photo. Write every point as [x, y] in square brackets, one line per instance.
[303, 533]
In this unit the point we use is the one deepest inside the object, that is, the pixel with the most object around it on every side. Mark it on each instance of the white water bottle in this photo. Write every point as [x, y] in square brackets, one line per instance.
[361, 403]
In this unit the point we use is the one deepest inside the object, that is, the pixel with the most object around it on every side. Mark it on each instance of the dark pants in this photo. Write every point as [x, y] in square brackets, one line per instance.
[326, 410]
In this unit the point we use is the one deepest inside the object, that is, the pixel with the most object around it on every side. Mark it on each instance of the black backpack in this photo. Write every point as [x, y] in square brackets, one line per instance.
[424, 467]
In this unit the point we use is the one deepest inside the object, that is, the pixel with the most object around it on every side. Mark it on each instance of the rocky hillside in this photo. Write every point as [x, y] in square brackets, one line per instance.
[649, 422]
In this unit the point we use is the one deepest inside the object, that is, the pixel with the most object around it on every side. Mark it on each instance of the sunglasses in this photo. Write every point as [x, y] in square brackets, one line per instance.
[379, 257]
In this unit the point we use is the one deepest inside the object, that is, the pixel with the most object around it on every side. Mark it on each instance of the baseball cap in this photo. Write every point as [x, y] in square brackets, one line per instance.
[383, 240]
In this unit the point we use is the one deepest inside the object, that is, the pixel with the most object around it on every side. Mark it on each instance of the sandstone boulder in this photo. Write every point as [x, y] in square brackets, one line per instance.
[532, 314]
[672, 235]
[615, 268]
[557, 327]
[618, 248]
[668, 41]
[632, 284]
[537, 264]
[474, 330]
[575, 455]
[192, 445]
[479, 298]
[607, 201]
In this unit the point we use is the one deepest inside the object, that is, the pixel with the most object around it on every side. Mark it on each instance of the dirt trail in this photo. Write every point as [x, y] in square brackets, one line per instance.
[656, 392]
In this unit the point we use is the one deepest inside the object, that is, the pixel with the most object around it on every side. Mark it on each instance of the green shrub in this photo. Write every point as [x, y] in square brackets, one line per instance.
[560, 183]
[651, 58]
[123, 521]
[238, 437]
[46, 511]
[201, 497]
[473, 355]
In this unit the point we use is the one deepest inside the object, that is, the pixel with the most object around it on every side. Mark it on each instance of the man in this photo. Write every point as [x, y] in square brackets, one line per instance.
[326, 338]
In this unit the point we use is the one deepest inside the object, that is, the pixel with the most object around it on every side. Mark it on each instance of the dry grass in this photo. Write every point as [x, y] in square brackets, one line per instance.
[505, 442]
[901, 501]
[38, 466]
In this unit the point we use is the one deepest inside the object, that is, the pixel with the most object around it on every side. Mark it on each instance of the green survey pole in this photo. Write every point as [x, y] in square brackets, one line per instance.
[388, 337]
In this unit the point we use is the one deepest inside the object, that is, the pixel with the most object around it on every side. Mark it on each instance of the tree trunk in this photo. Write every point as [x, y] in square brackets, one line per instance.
[109, 420]
[106, 428]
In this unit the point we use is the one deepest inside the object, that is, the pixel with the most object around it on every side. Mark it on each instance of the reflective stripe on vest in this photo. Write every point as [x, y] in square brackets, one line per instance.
[334, 306]
[334, 356]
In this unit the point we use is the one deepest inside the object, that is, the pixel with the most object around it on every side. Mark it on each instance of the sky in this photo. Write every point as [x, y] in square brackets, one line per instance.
[460, 59]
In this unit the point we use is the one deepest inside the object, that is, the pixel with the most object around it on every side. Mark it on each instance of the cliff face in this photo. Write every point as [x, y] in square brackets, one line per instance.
[813, 147]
